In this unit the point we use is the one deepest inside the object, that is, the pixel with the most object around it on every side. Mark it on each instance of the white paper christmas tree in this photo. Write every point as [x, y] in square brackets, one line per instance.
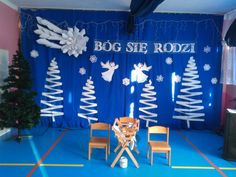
[89, 107]
[148, 110]
[189, 106]
[51, 102]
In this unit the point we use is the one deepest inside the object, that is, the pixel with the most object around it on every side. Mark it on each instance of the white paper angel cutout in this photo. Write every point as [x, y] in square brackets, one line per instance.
[111, 66]
[139, 76]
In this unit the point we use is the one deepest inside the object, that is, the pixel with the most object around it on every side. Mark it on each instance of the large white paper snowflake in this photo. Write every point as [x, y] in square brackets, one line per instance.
[207, 49]
[93, 58]
[126, 81]
[214, 80]
[160, 78]
[82, 71]
[206, 67]
[74, 41]
[177, 79]
[71, 41]
[169, 60]
[34, 53]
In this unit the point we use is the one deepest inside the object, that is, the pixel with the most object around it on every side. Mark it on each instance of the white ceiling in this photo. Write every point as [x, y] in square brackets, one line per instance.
[171, 6]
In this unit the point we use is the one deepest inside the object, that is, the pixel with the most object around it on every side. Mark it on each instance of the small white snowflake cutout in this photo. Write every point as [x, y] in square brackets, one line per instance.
[207, 49]
[93, 58]
[214, 80]
[169, 60]
[126, 81]
[34, 53]
[82, 71]
[160, 78]
[177, 79]
[206, 67]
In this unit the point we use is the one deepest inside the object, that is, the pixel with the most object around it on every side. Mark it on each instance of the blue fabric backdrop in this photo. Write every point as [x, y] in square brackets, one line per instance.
[113, 98]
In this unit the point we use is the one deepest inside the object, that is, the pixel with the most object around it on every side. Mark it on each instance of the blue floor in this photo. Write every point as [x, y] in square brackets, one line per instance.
[64, 153]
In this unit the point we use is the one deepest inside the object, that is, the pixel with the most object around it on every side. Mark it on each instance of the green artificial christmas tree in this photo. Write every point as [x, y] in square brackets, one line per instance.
[18, 108]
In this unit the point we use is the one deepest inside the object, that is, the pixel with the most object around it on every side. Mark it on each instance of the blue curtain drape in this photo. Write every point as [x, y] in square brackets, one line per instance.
[230, 36]
[140, 8]
[114, 99]
[228, 62]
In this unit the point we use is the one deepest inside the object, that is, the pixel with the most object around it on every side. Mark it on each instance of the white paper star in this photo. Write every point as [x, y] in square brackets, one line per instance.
[126, 81]
[160, 78]
[214, 80]
[82, 71]
[71, 40]
[207, 49]
[206, 67]
[169, 60]
[93, 58]
[34, 53]
[177, 78]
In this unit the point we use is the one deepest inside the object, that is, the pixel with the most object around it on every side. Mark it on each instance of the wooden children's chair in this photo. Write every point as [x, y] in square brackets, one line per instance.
[99, 142]
[159, 146]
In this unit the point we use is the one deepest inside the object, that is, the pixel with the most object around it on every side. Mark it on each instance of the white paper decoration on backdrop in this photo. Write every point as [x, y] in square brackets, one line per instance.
[34, 53]
[160, 78]
[148, 112]
[53, 94]
[126, 81]
[93, 58]
[88, 106]
[82, 71]
[206, 67]
[137, 73]
[177, 78]
[214, 80]
[71, 41]
[111, 66]
[169, 60]
[188, 106]
[207, 49]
